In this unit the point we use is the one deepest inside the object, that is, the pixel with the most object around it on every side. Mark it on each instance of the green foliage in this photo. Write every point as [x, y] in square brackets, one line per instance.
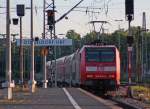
[140, 88]
[71, 34]
[89, 37]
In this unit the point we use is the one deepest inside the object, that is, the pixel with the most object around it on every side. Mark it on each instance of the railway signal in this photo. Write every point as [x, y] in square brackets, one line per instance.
[50, 17]
[129, 7]
[129, 11]
[20, 10]
[15, 21]
[130, 40]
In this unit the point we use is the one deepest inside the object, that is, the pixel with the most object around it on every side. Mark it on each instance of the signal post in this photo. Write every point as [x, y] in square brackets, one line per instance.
[51, 21]
[21, 13]
[129, 11]
[49, 12]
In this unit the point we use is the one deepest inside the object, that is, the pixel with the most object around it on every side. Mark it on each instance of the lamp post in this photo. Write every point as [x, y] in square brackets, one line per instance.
[8, 54]
[32, 82]
[44, 56]
[21, 52]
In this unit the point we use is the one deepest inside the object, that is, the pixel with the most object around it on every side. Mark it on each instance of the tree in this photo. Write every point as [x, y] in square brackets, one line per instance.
[71, 34]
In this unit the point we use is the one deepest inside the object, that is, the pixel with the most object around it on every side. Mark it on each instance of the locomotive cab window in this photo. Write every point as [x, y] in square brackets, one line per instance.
[100, 55]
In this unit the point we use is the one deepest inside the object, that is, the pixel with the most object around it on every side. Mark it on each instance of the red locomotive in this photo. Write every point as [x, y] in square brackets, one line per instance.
[96, 67]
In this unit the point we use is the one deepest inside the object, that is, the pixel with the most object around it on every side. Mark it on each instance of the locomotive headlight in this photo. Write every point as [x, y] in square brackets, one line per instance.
[110, 68]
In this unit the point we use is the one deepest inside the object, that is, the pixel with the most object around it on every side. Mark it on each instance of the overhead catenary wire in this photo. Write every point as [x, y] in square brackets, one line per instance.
[65, 14]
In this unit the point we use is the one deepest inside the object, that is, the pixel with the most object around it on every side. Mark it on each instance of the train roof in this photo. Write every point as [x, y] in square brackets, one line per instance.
[62, 59]
[102, 46]
[70, 57]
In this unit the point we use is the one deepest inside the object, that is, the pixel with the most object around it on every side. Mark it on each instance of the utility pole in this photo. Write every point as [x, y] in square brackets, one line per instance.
[55, 48]
[139, 55]
[21, 52]
[44, 56]
[119, 20]
[8, 54]
[144, 45]
[32, 82]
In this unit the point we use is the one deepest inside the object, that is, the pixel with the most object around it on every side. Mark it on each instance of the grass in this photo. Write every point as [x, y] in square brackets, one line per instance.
[141, 93]
[24, 89]
[19, 94]
[19, 88]
[140, 88]
[13, 101]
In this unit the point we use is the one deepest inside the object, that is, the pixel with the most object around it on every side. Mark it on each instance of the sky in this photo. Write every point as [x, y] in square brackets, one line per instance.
[78, 20]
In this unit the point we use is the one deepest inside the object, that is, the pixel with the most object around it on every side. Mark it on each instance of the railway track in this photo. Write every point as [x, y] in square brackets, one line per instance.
[124, 102]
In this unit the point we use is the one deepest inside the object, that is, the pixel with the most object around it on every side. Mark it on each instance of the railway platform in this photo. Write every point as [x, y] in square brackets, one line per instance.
[56, 98]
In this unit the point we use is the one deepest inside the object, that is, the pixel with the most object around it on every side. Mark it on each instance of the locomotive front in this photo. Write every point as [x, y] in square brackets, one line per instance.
[100, 67]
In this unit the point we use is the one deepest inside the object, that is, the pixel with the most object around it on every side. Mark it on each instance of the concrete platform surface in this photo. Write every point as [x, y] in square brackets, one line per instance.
[53, 98]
